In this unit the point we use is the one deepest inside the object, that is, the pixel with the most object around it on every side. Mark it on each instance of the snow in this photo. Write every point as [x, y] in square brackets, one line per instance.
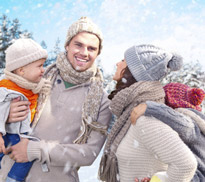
[90, 173]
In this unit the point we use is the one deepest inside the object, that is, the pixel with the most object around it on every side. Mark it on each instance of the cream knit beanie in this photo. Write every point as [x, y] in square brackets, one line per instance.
[22, 52]
[84, 24]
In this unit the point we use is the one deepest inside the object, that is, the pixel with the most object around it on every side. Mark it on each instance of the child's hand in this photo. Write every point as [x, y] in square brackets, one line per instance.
[143, 180]
[137, 112]
[2, 146]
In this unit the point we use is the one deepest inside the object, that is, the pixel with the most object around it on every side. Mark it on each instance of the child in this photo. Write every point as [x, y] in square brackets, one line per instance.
[186, 101]
[23, 78]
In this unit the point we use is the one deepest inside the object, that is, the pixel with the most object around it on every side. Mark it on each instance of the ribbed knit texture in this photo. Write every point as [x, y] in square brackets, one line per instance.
[22, 52]
[135, 65]
[190, 126]
[151, 63]
[181, 95]
[151, 146]
[122, 105]
[34, 151]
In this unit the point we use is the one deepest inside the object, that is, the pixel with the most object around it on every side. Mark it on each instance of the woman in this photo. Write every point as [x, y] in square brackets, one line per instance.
[149, 146]
[182, 100]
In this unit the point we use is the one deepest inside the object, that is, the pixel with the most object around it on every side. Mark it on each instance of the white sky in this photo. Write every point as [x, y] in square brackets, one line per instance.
[175, 25]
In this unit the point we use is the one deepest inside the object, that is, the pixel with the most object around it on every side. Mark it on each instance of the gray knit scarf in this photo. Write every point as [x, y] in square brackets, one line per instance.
[121, 106]
[93, 99]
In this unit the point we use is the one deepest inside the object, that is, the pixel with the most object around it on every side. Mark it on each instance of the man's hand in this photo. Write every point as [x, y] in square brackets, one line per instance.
[18, 152]
[2, 146]
[137, 112]
[18, 110]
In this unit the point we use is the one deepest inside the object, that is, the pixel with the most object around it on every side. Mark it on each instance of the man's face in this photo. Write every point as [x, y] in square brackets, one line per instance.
[83, 50]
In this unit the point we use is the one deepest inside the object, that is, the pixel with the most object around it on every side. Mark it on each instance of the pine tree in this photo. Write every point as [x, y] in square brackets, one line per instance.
[57, 49]
[9, 31]
[4, 38]
[53, 54]
[43, 44]
[108, 83]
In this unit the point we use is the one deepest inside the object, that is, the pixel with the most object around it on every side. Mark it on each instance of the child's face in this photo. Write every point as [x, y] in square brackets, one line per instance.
[33, 72]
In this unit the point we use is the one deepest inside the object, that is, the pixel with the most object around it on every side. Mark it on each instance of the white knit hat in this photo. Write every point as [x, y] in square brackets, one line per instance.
[84, 24]
[150, 63]
[22, 52]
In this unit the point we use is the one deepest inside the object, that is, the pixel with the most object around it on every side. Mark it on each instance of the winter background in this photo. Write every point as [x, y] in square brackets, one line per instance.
[177, 25]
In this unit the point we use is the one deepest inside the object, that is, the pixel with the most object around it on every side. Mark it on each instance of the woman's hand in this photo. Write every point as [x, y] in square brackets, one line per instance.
[18, 110]
[137, 112]
[18, 152]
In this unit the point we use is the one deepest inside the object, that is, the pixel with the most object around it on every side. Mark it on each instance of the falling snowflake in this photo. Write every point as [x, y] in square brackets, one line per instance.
[82, 152]
[136, 143]
[118, 177]
[67, 167]
[124, 80]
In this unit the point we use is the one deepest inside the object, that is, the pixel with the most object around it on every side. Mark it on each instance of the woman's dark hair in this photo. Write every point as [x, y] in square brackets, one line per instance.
[126, 80]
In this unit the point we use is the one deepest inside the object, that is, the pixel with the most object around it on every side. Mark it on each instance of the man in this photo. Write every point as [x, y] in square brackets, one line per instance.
[71, 123]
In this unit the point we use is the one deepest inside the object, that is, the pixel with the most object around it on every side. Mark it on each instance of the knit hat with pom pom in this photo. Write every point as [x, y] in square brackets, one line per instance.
[181, 95]
[151, 63]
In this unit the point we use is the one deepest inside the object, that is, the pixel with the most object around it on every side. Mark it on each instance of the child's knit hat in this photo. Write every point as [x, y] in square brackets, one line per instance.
[22, 52]
[84, 24]
[181, 95]
[151, 63]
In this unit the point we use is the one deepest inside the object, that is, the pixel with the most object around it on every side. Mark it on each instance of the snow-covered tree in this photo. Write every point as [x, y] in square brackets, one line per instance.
[9, 31]
[53, 54]
[190, 74]
[43, 44]
[108, 83]
[57, 49]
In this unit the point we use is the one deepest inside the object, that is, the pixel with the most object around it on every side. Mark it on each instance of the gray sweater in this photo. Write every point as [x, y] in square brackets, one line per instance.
[190, 125]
